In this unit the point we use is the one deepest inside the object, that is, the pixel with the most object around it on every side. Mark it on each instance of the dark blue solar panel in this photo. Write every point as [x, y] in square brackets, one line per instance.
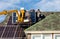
[1, 33]
[11, 31]
[12, 28]
[1, 30]
[5, 34]
[11, 34]
[20, 32]
[10, 21]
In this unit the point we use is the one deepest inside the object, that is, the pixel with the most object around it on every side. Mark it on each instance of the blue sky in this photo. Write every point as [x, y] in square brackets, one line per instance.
[43, 5]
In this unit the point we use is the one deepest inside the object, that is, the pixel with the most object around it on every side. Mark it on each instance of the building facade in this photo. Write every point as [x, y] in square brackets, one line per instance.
[43, 34]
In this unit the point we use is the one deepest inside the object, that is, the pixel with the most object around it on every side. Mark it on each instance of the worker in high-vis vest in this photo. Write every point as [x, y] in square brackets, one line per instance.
[22, 12]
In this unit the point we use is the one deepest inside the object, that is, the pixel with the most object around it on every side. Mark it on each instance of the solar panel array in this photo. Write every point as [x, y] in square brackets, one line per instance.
[11, 32]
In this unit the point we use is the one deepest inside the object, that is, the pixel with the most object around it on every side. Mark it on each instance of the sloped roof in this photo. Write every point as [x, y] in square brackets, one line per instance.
[51, 22]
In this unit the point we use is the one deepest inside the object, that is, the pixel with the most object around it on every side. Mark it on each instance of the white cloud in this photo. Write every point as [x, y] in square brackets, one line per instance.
[11, 1]
[7, 4]
[48, 5]
[4, 4]
[26, 1]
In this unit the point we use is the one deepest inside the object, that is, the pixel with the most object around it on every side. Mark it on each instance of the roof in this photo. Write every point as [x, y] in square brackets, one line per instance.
[51, 22]
[11, 31]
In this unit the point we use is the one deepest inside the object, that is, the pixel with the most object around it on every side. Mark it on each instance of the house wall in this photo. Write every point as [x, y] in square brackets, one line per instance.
[28, 36]
[43, 34]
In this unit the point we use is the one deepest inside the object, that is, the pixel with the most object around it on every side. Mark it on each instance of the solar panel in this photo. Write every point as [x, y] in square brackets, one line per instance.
[1, 30]
[11, 34]
[20, 32]
[11, 31]
[17, 32]
[10, 21]
[1, 33]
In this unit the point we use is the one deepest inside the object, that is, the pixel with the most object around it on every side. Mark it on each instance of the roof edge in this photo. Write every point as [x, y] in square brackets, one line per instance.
[35, 32]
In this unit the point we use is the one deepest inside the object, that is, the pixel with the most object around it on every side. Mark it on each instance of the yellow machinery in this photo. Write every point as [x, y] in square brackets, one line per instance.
[19, 19]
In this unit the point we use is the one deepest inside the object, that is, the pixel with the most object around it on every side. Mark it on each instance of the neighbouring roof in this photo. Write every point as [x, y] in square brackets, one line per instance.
[51, 22]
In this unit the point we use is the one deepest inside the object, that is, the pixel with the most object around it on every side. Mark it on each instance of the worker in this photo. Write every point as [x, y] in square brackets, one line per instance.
[27, 15]
[40, 16]
[33, 16]
[38, 12]
[22, 14]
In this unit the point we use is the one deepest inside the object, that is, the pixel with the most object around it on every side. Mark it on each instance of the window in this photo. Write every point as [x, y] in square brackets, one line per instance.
[47, 36]
[14, 17]
[56, 36]
[41, 36]
[36, 36]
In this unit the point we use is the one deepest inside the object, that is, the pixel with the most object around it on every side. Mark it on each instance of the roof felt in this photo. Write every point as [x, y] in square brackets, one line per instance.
[51, 22]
